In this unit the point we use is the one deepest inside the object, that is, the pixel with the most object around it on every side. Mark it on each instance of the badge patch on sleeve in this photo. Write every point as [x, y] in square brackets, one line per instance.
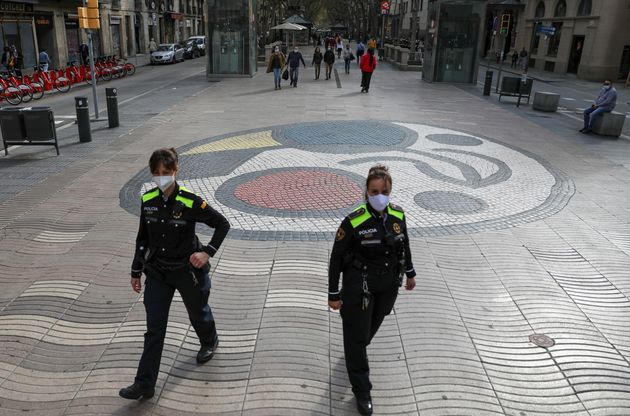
[203, 205]
[341, 234]
[397, 228]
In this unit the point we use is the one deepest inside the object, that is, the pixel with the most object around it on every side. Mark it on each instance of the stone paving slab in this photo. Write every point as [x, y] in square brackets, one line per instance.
[71, 328]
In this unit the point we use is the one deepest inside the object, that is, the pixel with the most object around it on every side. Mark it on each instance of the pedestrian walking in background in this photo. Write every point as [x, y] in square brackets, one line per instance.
[12, 63]
[523, 59]
[84, 52]
[339, 46]
[605, 103]
[6, 55]
[372, 44]
[368, 65]
[277, 61]
[514, 59]
[318, 57]
[171, 256]
[348, 57]
[293, 61]
[44, 60]
[329, 59]
[371, 249]
[152, 45]
[360, 51]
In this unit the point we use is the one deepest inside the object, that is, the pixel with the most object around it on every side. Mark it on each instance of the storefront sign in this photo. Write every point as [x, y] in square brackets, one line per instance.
[114, 20]
[10, 7]
[43, 20]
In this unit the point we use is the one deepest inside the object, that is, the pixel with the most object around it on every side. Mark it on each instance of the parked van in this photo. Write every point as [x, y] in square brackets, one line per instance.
[200, 41]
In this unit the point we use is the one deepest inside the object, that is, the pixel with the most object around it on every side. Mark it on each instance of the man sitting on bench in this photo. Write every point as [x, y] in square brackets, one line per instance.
[605, 103]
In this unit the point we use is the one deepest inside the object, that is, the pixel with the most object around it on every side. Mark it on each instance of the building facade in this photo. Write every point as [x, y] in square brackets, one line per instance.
[592, 37]
[402, 14]
[127, 26]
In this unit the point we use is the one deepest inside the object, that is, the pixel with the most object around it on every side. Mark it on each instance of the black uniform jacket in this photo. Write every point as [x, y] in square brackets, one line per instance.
[364, 237]
[167, 227]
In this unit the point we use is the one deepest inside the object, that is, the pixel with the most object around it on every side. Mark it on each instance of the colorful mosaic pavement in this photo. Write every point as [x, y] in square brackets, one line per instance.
[298, 181]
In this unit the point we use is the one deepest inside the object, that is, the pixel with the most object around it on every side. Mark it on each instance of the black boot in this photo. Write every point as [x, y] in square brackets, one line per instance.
[136, 391]
[206, 352]
[364, 405]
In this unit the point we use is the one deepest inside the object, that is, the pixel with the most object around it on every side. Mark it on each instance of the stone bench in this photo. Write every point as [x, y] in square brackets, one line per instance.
[546, 101]
[609, 124]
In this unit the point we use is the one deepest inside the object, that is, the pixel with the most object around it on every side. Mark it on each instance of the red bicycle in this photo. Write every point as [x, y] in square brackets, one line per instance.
[10, 93]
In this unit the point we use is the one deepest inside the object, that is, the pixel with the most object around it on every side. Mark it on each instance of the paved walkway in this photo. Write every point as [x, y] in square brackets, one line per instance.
[517, 233]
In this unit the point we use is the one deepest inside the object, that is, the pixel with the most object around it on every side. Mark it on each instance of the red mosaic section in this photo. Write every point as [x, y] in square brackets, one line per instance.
[300, 190]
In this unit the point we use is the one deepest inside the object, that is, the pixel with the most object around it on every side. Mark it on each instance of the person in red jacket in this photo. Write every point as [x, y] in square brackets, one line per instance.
[368, 65]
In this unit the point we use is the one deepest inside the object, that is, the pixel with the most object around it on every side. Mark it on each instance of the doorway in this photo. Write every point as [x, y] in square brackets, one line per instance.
[576, 54]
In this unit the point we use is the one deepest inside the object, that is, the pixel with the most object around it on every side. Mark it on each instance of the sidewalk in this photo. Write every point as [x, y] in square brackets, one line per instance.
[515, 233]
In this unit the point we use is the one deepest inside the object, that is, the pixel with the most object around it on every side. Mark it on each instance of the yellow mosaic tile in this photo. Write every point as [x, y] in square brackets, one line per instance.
[247, 141]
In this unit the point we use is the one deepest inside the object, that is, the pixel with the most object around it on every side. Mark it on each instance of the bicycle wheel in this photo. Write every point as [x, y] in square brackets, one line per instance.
[26, 92]
[88, 78]
[106, 74]
[38, 89]
[130, 68]
[13, 95]
[62, 84]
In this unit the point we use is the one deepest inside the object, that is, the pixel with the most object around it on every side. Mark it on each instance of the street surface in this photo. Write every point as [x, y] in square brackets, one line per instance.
[520, 233]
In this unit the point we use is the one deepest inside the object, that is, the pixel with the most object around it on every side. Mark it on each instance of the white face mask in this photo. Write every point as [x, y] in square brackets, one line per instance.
[379, 202]
[606, 87]
[164, 182]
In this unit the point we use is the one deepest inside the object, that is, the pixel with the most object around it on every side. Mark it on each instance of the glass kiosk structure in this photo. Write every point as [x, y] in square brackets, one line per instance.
[453, 40]
[231, 43]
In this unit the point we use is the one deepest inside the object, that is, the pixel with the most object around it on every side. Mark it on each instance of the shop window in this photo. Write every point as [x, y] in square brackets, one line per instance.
[540, 9]
[584, 9]
[561, 9]
[554, 41]
[550, 66]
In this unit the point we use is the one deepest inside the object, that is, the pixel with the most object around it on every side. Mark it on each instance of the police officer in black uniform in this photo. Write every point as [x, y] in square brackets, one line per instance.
[372, 251]
[169, 253]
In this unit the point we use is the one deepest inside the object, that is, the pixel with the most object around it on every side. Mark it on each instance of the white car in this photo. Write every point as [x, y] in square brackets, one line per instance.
[200, 41]
[167, 53]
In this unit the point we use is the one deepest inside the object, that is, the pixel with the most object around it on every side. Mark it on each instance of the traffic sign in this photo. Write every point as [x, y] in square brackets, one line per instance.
[546, 30]
[385, 5]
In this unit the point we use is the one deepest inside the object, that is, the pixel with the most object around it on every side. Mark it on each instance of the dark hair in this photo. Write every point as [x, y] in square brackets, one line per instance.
[378, 172]
[165, 157]
[371, 53]
[609, 81]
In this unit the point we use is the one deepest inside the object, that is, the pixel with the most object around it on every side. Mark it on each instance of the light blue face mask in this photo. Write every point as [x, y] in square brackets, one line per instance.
[378, 202]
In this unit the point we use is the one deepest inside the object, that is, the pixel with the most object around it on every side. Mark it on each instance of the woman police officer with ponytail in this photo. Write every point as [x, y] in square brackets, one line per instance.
[169, 253]
[372, 250]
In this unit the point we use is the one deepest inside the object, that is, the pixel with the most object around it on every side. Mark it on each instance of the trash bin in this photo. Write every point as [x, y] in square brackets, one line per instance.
[12, 124]
[39, 124]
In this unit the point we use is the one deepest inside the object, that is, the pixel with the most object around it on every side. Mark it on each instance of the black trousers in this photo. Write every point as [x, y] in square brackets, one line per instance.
[329, 68]
[318, 68]
[158, 295]
[365, 80]
[360, 326]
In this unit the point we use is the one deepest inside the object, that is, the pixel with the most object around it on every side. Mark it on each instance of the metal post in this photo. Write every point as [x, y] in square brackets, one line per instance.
[487, 86]
[83, 119]
[92, 72]
[520, 88]
[503, 40]
[112, 107]
[382, 37]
